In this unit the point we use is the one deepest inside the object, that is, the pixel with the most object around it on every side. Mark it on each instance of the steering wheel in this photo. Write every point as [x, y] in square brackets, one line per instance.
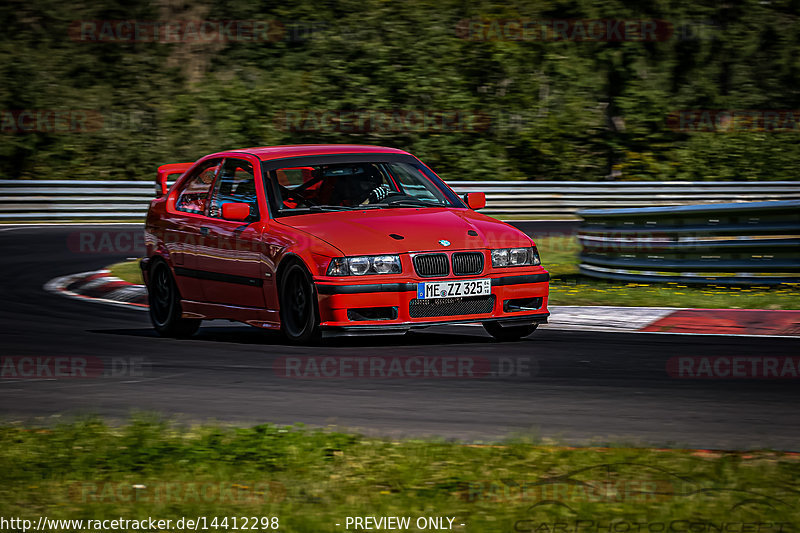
[379, 196]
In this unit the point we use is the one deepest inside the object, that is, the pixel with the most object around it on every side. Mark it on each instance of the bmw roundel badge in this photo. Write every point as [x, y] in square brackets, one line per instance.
[444, 242]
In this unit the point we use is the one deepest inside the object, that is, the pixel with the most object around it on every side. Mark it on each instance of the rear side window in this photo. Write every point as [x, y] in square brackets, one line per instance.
[193, 198]
[236, 183]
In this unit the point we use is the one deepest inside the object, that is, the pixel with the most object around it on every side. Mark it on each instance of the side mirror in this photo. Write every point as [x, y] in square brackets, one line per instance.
[475, 200]
[238, 211]
[165, 171]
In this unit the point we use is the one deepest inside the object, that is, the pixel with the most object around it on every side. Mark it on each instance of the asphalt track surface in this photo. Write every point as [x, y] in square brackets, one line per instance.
[581, 387]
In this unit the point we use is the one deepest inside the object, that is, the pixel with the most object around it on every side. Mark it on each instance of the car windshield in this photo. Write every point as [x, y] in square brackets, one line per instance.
[350, 186]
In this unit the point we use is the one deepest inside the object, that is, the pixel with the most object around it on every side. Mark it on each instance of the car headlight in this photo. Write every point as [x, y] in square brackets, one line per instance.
[366, 264]
[507, 257]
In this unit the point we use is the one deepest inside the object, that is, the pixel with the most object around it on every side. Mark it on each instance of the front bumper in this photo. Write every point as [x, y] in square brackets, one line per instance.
[340, 303]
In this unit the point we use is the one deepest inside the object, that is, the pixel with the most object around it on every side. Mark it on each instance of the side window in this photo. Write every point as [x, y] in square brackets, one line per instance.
[236, 183]
[194, 196]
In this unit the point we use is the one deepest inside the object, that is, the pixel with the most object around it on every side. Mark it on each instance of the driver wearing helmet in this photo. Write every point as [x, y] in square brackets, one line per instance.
[363, 185]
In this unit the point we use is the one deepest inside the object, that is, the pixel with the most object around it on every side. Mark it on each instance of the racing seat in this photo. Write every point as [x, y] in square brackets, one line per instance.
[246, 189]
[246, 192]
[353, 189]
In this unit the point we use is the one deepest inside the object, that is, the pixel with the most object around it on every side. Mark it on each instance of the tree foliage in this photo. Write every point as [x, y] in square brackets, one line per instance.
[549, 109]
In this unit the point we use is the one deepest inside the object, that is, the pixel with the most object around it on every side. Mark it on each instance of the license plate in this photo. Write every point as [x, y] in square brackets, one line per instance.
[452, 289]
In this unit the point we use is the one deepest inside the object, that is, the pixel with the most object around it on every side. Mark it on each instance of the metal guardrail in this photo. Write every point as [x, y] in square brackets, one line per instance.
[22, 200]
[752, 243]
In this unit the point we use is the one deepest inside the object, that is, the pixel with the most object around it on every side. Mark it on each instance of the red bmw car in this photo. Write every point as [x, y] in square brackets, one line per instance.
[343, 239]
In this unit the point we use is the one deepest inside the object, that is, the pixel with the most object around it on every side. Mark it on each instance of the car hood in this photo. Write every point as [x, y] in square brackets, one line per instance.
[370, 232]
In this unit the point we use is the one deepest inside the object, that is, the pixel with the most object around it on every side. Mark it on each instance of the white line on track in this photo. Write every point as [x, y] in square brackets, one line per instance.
[601, 329]
[571, 316]
[57, 286]
[145, 380]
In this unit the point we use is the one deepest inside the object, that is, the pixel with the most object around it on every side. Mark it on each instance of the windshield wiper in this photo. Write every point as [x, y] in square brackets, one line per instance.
[325, 208]
[410, 202]
[311, 209]
[329, 208]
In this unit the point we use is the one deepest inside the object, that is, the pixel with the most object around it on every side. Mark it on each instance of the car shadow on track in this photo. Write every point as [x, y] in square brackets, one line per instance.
[249, 335]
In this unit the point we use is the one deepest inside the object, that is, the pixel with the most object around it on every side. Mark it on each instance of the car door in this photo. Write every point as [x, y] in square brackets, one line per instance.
[230, 258]
[182, 235]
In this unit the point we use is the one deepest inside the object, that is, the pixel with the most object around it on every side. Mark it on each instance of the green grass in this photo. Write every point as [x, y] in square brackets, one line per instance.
[568, 287]
[128, 271]
[312, 480]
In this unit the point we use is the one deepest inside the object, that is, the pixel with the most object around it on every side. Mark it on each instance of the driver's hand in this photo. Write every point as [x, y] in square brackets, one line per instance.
[379, 193]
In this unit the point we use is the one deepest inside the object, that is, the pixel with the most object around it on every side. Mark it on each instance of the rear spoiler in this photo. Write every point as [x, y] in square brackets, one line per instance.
[165, 171]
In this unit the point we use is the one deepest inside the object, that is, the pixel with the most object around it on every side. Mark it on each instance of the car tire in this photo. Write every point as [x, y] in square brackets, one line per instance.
[298, 301]
[508, 333]
[165, 304]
